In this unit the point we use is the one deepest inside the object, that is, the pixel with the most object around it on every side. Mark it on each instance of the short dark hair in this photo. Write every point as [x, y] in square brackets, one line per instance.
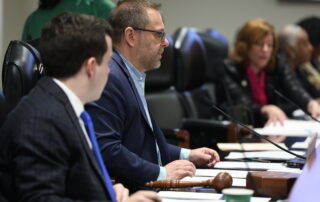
[130, 13]
[312, 26]
[69, 39]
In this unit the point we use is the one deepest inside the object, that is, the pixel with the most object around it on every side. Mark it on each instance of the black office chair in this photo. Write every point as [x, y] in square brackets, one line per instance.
[191, 61]
[216, 47]
[163, 100]
[21, 70]
[3, 110]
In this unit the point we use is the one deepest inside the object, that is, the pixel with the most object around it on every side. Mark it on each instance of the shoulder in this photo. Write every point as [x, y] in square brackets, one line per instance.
[105, 3]
[231, 67]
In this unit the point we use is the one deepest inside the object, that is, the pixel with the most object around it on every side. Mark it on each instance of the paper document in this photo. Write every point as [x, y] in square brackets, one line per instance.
[214, 172]
[236, 182]
[190, 195]
[249, 146]
[249, 165]
[304, 144]
[263, 155]
[291, 128]
[189, 200]
[176, 196]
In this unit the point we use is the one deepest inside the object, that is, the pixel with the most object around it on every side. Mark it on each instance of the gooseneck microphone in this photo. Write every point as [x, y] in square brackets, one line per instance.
[293, 103]
[255, 133]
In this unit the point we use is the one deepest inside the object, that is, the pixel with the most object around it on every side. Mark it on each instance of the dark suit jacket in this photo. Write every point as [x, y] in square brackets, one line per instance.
[44, 155]
[125, 137]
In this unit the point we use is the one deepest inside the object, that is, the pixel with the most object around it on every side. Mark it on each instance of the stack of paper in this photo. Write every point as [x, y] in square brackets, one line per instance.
[176, 196]
[305, 144]
[263, 155]
[291, 128]
[249, 146]
[249, 165]
[236, 182]
[214, 172]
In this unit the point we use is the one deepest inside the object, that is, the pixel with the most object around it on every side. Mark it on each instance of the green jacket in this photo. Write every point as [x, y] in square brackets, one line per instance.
[40, 17]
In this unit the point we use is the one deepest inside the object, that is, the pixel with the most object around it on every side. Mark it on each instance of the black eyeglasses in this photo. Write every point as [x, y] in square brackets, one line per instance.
[160, 35]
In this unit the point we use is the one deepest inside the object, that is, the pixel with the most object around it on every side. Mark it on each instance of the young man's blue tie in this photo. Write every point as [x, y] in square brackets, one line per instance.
[95, 147]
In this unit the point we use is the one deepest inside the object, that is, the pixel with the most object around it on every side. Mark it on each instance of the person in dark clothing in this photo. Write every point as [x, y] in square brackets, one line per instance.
[294, 45]
[47, 154]
[311, 25]
[253, 73]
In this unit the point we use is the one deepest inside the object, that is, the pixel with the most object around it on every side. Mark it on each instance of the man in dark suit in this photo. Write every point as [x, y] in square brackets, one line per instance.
[46, 154]
[133, 146]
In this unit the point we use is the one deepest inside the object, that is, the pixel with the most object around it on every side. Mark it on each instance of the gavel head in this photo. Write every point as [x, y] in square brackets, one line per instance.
[221, 181]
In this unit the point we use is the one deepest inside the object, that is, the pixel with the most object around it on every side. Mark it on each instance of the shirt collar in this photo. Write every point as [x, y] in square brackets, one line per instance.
[73, 98]
[136, 75]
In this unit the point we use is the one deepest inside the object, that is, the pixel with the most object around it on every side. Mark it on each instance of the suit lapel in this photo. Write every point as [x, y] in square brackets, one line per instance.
[116, 57]
[57, 92]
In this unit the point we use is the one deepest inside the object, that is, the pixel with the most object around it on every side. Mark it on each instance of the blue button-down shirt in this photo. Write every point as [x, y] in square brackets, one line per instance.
[139, 81]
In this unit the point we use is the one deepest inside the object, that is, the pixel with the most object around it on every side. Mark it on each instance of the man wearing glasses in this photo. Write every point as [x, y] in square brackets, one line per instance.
[132, 145]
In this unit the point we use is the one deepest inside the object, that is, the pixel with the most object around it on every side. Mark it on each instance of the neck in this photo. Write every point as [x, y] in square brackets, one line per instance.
[78, 88]
[130, 54]
[255, 69]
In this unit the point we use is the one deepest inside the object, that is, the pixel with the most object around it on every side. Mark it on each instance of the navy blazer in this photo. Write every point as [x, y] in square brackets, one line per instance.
[44, 154]
[127, 142]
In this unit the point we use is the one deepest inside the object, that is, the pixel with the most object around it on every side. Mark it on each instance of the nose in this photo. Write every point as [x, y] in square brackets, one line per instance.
[165, 42]
[266, 47]
[310, 47]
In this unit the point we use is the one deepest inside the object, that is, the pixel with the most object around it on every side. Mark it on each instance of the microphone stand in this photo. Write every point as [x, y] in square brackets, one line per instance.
[257, 134]
[289, 100]
[254, 178]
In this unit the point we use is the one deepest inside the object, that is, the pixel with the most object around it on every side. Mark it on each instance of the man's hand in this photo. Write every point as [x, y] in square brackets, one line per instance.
[179, 169]
[122, 193]
[144, 196]
[204, 157]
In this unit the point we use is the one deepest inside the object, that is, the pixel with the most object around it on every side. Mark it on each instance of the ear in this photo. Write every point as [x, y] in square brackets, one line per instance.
[291, 52]
[130, 36]
[90, 66]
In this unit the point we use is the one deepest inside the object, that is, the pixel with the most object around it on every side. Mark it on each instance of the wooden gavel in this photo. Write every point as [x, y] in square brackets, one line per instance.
[219, 182]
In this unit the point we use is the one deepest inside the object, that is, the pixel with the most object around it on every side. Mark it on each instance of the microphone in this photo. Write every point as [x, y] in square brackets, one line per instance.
[257, 134]
[253, 182]
[289, 100]
[205, 99]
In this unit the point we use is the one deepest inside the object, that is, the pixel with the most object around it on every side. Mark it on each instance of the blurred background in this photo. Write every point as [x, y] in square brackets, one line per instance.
[224, 15]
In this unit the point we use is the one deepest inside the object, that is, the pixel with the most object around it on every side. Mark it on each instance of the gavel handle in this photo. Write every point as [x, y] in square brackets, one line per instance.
[177, 183]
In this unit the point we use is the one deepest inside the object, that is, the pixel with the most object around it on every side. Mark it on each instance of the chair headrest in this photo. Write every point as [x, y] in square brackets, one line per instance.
[21, 70]
[191, 59]
[163, 77]
[215, 43]
[217, 50]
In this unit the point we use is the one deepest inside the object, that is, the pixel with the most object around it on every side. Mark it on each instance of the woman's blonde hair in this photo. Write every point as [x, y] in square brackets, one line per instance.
[252, 32]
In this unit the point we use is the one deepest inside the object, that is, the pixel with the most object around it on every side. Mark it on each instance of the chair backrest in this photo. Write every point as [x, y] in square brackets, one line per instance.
[21, 70]
[216, 46]
[191, 61]
[163, 100]
[164, 76]
[2, 198]
[3, 109]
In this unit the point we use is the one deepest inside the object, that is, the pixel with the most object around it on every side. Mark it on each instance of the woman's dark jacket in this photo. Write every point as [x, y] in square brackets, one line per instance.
[235, 89]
